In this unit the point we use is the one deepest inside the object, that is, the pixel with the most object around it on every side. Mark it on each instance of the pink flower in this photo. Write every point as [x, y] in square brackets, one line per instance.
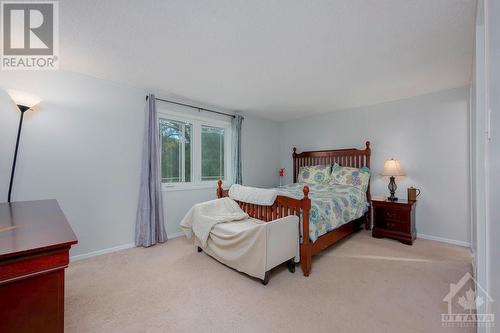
[281, 172]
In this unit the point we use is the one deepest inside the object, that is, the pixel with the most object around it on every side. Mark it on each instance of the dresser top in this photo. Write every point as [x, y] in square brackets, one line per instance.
[32, 226]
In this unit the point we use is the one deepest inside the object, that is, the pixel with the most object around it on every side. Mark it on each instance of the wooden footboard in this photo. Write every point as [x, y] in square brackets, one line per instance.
[283, 206]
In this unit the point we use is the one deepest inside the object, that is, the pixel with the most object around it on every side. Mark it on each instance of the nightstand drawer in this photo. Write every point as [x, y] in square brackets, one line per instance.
[395, 215]
[393, 225]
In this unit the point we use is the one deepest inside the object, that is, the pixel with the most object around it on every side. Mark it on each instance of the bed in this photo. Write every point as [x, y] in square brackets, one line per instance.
[289, 202]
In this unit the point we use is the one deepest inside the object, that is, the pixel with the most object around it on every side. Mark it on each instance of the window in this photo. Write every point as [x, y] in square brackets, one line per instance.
[175, 141]
[212, 153]
[195, 151]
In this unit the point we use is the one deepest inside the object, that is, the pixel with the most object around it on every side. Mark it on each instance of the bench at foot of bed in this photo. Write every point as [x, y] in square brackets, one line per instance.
[258, 247]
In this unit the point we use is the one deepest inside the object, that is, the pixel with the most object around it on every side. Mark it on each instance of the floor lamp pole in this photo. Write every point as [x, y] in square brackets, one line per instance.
[23, 109]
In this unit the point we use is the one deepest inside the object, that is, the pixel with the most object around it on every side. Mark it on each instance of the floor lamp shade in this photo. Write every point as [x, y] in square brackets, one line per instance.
[392, 169]
[24, 102]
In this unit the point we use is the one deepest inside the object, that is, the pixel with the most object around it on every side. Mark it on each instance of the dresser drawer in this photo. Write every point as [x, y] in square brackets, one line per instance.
[396, 215]
[14, 269]
[393, 225]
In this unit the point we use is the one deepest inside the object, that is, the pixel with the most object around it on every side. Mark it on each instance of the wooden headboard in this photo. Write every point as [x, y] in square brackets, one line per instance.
[352, 157]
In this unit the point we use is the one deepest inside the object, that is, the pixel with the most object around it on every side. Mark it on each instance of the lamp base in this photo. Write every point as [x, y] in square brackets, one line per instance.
[392, 189]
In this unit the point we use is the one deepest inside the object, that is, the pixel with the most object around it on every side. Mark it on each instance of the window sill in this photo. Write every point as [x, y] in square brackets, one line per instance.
[190, 187]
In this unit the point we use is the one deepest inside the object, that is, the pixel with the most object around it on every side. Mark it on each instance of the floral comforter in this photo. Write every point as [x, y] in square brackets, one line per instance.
[331, 205]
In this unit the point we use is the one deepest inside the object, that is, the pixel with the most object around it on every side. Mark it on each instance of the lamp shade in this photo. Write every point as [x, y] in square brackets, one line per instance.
[392, 168]
[24, 99]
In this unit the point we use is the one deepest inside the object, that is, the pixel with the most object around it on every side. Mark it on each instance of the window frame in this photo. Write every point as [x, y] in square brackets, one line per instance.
[197, 121]
[182, 151]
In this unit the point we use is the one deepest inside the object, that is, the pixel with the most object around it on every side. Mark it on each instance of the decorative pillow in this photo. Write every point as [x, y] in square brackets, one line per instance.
[315, 174]
[359, 178]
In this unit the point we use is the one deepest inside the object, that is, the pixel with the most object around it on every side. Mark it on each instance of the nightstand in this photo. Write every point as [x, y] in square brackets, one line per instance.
[394, 219]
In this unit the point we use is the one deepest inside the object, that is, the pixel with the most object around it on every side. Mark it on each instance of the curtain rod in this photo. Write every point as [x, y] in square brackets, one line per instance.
[194, 107]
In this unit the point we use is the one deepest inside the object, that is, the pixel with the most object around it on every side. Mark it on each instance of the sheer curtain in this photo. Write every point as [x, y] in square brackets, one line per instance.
[150, 227]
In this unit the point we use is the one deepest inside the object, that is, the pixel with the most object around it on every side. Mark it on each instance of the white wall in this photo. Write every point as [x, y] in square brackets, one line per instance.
[493, 152]
[261, 143]
[82, 146]
[429, 134]
[485, 179]
[478, 144]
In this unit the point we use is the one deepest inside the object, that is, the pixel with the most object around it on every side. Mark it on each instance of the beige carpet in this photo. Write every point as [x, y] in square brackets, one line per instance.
[361, 285]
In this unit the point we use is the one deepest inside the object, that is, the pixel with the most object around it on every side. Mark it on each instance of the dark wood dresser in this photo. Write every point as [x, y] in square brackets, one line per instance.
[35, 239]
[394, 219]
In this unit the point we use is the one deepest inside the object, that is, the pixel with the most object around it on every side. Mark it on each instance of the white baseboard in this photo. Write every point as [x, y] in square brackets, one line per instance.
[103, 251]
[115, 248]
[444, 240]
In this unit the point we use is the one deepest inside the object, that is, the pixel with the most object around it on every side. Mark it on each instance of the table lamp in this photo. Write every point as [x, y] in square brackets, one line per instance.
[392, 169]
[24, 102]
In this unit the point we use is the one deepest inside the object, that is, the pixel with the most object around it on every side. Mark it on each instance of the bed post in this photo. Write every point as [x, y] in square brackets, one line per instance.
[305, 247]
[368, 217]
[294, 155]
[220, 191]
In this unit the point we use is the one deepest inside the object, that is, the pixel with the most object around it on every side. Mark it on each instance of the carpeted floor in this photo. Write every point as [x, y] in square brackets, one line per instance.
[361, 285]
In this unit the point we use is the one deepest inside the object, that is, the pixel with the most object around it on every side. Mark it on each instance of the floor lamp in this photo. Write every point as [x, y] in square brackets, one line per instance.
[24, 102]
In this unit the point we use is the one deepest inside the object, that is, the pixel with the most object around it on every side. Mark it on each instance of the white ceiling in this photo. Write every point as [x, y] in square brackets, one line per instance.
[279, 59]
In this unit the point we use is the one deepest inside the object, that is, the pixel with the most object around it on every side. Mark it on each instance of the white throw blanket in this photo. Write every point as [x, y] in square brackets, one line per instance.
[253, 195]
[202, 217]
